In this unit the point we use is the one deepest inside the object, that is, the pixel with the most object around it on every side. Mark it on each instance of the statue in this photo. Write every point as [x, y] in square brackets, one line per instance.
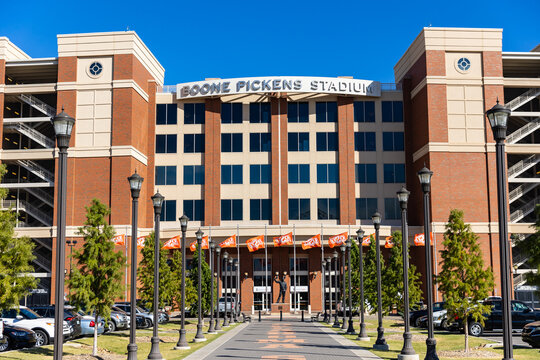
[282, 289]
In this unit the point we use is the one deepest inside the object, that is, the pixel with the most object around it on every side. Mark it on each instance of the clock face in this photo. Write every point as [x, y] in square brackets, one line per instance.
[95, 68]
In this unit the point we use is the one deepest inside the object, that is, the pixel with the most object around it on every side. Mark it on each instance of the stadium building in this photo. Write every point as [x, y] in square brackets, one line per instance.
[271, 155]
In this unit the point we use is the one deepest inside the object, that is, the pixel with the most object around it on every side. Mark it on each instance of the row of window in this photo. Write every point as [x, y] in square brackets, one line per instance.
[299, 209]
[297, 112]
[298, 174]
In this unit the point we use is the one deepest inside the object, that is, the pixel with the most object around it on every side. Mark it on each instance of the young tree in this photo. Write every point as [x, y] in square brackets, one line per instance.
[370, 276]
[176, 270]
[15, 258]
[97, 279]
[205, 284]
[145, 275]
[463, 280]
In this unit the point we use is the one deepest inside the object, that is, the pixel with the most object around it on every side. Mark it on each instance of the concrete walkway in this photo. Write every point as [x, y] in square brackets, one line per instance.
[288, 339]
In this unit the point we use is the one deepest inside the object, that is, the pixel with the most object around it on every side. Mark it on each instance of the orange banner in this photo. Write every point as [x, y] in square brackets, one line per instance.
[172, 243]
[255, 243]
[389, 242]
[286, 239]
[204, 244]
[337, 240]
[314, 242]
[140, 242]
[420, 241]
[366, 240]
[229, 242]
[119, 239]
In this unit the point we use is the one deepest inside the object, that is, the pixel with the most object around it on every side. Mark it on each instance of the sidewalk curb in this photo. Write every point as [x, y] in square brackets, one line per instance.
[353, 347]
[211, 347]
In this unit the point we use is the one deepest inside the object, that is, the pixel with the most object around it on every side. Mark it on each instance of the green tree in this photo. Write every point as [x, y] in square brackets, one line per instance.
[191, 291]
[370, 276]
[205, 284]
[145, 275]
[463, 280]
[96, 281]
[15, 258]
[531, 247]
[355, 273]
[393, 278]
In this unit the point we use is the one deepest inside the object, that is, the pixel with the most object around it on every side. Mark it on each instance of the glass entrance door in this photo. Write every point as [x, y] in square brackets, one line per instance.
[262, 284]
[299, 291]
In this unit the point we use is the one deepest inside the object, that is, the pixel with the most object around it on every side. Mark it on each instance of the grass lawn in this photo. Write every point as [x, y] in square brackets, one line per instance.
[446, 342]
[114, 346]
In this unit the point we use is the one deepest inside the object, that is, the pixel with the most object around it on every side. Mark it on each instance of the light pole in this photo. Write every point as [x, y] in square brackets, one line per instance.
[135, 184]
[212, 247]
[425, 180]
[182, 340]
[157, 200]
[71, 244]
[218, 278]
[362, 334]
[323, 262]
[225, 317]
[407, 352]
[498, 117]
[336, 258]
[231, 320]
[343, 249]
[350, 330]
[380, 343]
[63, 124]
[329, 267]
[199, 337]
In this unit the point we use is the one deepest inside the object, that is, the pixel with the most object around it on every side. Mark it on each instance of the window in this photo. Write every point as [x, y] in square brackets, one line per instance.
[364, 111]
[392, 111]
[231, 113]
[392, 141]
[392, 209]
[394, 173]
[165, 175]
[260, 174]
[231, 142]
[327, 141]
[327, 173]
[259, 113]
[327, 209]
[364, 141]
[326, 111]
[194, 209]
[259, 142]
[260, 209]
[298, 141]
[194, 175]
[365, 208]
[193, 143]
[194, 113]
[299, 209]
[168, 210]
[231, 209]
[166, 114]
[231, 174]
[298, 112]
[366, 173]
[166, 144]
[298, 173]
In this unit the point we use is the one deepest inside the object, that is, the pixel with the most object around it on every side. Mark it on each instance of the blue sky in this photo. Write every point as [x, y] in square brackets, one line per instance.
[198, 39]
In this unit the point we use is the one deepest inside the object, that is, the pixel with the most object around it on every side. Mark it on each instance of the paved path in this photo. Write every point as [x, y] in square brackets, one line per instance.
[291, 340]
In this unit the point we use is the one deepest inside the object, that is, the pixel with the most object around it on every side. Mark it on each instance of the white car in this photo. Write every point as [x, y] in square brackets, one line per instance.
[28, 319]
[440, 319]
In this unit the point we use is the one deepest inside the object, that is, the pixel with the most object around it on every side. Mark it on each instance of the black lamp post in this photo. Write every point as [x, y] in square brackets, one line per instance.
[63, 124]
[157, 200]
[407, 352]
[225, 281]
[323, 263]
[71, 244]
[231, 320]
[380, 343]
[336, 258]
[343, 249]
[362, 334]
[425, 180]
[135, 184]
[218, 278]
[212, 247]
[182, 343]
[350, 329]
[498, 118]
[199, 337]
[330, 299]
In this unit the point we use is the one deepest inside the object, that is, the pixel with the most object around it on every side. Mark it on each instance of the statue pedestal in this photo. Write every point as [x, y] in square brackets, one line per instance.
[277, 307]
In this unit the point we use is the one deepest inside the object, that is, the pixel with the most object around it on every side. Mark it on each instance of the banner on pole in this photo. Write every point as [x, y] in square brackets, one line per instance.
[389, 242]
[419, 239]
[140, 242]
[337, 240]
[204, 244]
[313, 242]
[255, 243]
[229, 242]
[366, 240]
[286, 239]
[172, 243]
[119, 239]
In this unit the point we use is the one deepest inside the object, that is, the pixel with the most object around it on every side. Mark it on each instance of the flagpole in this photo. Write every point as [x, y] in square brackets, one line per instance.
[265, 272]
[294, 268]
[126, 277]
[322, 259]
[238, 290]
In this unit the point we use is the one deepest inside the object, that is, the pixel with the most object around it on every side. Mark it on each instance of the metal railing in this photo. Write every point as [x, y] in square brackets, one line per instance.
[38, 104]
[390, 87]
[522, 165]
[166, 89]
[523, 99]
[42, 195]
[523, 211]
[520, 190]
[36, 169]
[523, 131]
[32, 134]
[520, 279]
[22, 205]
[42, 261]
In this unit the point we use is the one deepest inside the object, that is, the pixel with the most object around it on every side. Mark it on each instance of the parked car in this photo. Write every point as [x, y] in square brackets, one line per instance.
[3, 339]
[141, 321]
[162, 315]
[119, 321]
[28, 319]
[88, 323]
[15, 337]
[440, 320]
[148, 318]
[230, 304]
[73, 319]
[531, 334]
[414, 316]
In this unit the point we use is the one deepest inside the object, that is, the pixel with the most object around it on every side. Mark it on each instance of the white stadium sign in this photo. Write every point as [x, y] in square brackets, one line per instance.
[277, 84]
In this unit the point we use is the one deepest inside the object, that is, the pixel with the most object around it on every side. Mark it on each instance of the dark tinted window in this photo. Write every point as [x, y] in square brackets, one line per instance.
[231, 209]
[231, 113]
[231, 174]
[365, 208]
[327, 209]
[298, 112]
[260, 174]
[260, 209]
[259, 142]
[165, 175]
[364, 111]
[364, 141]
[366, 173]
[194, 175]
[194, 209]
[259, 113]
[298, 173]
[326, 111]
[166, 114]
[299, 209]
[298, 141]
[194, 113]
[193, 143]
[231, 142]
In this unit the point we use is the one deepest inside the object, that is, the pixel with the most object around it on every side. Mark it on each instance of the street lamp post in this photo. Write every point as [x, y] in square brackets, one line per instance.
[350, 329]
[425, 180]
[407, 352]
[362, 334]
[225, 316]
[336, 256]
[323, 262]
[157, 200]
[135, 184]
[212, 247]
[199, 337]
[329, 267]
[343, 249]
[218, 278]
[498, 118]
[380, 343]
[71, 244]
[63, 124]
[231, 261]
[182, 343]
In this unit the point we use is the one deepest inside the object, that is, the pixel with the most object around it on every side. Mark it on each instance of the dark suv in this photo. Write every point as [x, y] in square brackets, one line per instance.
[70, 316]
